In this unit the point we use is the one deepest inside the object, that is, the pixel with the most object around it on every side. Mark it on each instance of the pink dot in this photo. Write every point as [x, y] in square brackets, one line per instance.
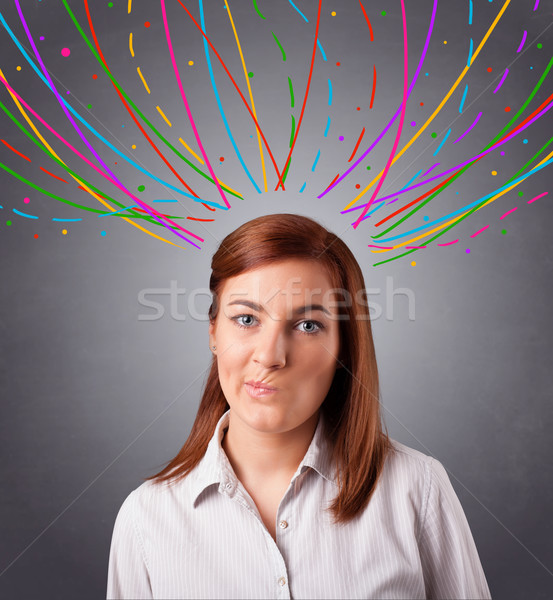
[65, 52]
[26, 200]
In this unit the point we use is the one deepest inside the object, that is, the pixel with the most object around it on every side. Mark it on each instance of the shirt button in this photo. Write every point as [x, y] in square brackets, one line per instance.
[283, 524]
[282, 581]
[229, 486]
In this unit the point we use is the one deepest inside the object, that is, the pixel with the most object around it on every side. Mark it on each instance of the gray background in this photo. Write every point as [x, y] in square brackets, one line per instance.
[94, 398]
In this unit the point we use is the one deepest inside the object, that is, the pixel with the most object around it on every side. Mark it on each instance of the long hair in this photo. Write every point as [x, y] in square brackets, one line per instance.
[351, 407]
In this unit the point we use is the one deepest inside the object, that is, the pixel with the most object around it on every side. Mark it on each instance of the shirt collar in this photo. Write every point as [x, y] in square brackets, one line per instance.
[215, 468]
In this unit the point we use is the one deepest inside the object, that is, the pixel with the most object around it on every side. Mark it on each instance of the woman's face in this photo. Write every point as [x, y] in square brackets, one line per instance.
[270, 328]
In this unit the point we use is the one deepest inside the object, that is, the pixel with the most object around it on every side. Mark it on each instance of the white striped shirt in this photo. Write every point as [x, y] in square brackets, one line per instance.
[204, 538]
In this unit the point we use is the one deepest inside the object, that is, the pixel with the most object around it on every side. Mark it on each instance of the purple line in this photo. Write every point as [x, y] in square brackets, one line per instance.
[467, 131]
[502, 80]
[459, 166]
[523, 39]
[369, 150]
[432, 167]
[536, 5]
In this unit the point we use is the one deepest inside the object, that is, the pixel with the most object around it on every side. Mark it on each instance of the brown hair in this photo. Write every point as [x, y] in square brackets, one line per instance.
[351, 407]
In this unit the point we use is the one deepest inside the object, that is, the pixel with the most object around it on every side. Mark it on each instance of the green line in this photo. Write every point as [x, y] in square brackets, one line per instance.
[291, 92]
[533, 157]
[280, 46]
[286, 171]
[257, 9]
[293, 130]
[466, 167]
[71, 172]
[128, 99]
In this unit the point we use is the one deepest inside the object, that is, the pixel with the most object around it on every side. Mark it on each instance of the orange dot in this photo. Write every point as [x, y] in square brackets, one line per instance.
[414, 263]
[36, 236]
[147, 24]
[507, 109]
[489, 69]
[337, 64]
[95, 76]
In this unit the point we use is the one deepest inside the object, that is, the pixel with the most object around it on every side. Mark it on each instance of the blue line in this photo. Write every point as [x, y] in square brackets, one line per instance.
[327, 126]
[118, 211]
[470, 12]
[470, 53]
[463, 98]
[304, 17]
[329, 92]
[65, 220]
[316, 160]
[410, 182]
[217, 97]
[24, 214]
[164, 200]
[375, 209]
[303, 187]
[321, 49]
[471, 205]
[92, 130]
[443, 142]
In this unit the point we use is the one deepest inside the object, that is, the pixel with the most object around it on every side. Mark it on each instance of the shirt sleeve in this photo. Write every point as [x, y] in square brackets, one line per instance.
[450, 561]
[128, 575]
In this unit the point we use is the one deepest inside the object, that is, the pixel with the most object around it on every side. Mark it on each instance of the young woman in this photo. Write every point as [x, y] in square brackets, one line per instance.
[287, 486]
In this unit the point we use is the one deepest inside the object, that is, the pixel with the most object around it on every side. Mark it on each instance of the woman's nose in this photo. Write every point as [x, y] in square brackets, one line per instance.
[271, 348]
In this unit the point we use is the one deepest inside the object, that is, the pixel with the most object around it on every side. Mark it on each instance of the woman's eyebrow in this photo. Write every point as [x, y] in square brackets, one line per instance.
[299, 311]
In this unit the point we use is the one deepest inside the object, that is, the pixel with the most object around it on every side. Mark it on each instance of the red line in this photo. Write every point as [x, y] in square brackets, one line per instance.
[338, 175]
[175, 173]
[368, 22]
[355, 149]
[237, 89]
[14, 150]
[304, 99]
[374, 86]
[52, 175]
[204, 220]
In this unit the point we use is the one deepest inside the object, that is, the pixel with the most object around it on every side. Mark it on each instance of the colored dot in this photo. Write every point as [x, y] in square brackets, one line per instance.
[65, 52]
[524, 141]
[413, 124]
[445, 41]
[141, 188]
[413, 263]
[8, 223]
[503, 231]
[102, 233]
[41, 37]
[502, 153]
[222, 158]
[250, 74]
[64, 231]
[521, 194]
[341, 138]
[36, 236]
[89, 106]
[489, 69]
[26, 200]
[338, 64]
[507, 109]
[426, 74]
[110, 4]
[18, 68]
[368, 168]
[422, 103]
[426, 217]
[68, 92]
[133, 146]
[358, 108]
[531, 67]
[383, 13]
[333, 13]
[434, 134]
[540, 46]
[95, 76]
[147, 24]
[467, 250]
[190, 62]
[494, 173]
[357, 186]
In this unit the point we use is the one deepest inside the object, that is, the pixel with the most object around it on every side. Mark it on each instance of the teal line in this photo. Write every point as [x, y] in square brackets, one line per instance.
[329, 92]
[24, 214]
[443, 142]
[327, 127]
[463, 98]
[316, 160]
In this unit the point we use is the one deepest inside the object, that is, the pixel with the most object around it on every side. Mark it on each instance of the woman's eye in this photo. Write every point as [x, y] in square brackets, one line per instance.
[312, 326]
[246, 321]
[237, 320]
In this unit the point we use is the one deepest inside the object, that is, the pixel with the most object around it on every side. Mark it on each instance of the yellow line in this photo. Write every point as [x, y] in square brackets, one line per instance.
[99, 198]
[130, 6]
[130, 44]
[163, 115]
[143, 80]
[431, 118]
[250, 92]
[191, 151]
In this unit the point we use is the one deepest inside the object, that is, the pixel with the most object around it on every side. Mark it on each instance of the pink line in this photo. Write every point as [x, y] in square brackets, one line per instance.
[467, 131]
[540, 196]
[523, 40]
[187, 107]
[401, 118]
[502, 80]
[449, 243]
[508, 213]
[414, 247]
[125, 191]
[382, 247]
[479, 231]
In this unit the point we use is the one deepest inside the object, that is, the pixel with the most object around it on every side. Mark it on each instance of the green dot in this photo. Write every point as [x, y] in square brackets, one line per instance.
[110, 4]
[89, 106]
[368, 168]
[8, 223]
[250, 74]
[540, 45]
[503, 231]
[383, 13]
[434, 134]
[141, 188]
[521, 194]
